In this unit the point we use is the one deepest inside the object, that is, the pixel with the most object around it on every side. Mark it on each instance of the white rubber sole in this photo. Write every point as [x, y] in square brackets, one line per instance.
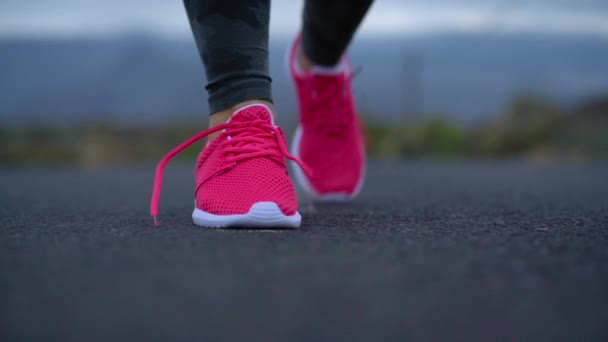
[260, 215]
[303, 182]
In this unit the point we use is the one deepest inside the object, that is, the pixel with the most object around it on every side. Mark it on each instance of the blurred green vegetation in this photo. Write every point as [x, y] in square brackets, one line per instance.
[532, 126]
[91, 146]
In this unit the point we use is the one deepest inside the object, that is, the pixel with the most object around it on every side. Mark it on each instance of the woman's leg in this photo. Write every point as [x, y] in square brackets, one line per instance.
[240, 178]
[328, 27]
[232, 39]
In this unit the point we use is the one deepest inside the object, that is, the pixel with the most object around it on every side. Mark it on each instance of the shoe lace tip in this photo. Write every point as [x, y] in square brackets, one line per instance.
[156, 224]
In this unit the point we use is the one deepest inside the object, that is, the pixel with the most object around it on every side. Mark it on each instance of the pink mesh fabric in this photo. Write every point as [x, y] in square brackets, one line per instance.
[244, 165]
[254, 180]
[331, 142]
[252, 113]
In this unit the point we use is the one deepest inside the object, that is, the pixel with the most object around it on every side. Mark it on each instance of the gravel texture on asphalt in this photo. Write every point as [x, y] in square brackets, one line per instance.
[430, 251]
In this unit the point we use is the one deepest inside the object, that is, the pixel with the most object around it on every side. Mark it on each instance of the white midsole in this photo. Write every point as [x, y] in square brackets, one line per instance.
[260, 215]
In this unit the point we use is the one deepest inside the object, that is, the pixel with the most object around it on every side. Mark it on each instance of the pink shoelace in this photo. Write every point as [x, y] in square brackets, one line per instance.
[250, 139]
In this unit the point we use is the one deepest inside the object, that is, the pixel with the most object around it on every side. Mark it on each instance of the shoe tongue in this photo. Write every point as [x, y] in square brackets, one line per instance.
[252, 112]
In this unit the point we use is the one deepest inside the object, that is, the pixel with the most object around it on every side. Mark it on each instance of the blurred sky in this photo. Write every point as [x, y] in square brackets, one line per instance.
[68, 18]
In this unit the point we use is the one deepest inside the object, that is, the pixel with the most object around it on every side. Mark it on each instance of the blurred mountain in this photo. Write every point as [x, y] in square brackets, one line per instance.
[142, 78]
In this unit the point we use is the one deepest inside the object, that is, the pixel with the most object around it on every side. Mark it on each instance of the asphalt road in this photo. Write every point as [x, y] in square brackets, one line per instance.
[430, 251]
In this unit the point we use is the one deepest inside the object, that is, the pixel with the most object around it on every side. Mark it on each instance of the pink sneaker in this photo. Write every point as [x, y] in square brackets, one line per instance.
[328, 137]
[241, 178]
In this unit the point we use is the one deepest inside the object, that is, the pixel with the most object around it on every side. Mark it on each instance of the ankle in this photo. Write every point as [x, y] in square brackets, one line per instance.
[220, 118]
[304, 63]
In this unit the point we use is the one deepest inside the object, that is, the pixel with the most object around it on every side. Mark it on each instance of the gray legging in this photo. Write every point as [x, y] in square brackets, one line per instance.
[232, 39]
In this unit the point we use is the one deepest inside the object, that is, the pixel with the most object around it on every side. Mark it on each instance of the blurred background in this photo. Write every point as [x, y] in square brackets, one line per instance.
[94, 83]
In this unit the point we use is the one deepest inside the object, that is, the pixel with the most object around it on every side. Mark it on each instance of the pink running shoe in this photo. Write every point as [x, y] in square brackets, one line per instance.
[241, 178]
[328, 137]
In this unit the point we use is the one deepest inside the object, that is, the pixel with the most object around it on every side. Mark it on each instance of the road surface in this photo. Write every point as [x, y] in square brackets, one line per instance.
[430, 251]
